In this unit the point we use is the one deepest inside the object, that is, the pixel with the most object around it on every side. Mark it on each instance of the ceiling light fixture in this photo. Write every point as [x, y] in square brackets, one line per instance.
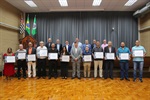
[30, 3]
[96, 2]
[63, 3]
[130, 2]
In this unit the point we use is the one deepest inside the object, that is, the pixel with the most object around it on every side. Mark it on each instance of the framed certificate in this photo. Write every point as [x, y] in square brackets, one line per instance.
[87, 58]
[31, 57]
[110, 56]
[10, 59]
[98, 55]
[138, 53]
[21, 55]
[43, 53]
[124, 56]
[65, 58]
[53, 56]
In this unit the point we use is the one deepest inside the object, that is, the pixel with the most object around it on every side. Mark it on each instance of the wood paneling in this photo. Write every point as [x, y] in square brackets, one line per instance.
[145, 35]
[8, 37]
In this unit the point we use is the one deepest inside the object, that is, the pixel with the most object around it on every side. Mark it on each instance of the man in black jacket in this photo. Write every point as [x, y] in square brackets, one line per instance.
[31, 51]
[53, 62]
[109, 63]
[49, 43]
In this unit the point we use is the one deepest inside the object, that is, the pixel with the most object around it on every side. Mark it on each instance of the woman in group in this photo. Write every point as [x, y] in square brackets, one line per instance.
[64, 65]
[9, 67]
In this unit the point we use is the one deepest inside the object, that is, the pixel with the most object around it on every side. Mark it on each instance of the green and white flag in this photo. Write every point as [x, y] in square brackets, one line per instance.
[34, 26]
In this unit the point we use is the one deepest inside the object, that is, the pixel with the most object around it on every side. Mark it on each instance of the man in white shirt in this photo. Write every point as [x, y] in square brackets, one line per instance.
[41, 61]
[104, 44]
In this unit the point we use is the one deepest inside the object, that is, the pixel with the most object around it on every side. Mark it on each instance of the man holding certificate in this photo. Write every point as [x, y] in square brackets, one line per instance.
[76, 53]
[21, 61]
[41, 52]
[31, 58]
[138, 54]
[98, 59]
[53, 57]
[110, 56]
[123, 55]
[87, 59]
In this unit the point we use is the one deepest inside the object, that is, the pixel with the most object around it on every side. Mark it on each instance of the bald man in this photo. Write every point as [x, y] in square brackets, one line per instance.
[21, 63]
[124, 64]
[109, 64]
[138, 61]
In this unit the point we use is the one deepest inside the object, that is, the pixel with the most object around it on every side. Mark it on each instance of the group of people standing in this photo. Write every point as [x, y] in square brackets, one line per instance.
[76, 51]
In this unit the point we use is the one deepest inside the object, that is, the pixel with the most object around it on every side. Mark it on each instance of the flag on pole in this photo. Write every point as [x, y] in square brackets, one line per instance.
[28, 25]
[22, 26]
[34, 26]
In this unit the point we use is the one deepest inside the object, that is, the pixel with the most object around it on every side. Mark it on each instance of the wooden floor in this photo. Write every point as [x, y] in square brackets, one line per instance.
[84, 89]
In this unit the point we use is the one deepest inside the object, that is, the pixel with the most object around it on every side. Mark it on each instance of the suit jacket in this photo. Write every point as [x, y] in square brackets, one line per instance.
[69, 48]
[76, 55]
[60, 47]
[47, 45]
[92, 46]
[106, 50]
[33, 51]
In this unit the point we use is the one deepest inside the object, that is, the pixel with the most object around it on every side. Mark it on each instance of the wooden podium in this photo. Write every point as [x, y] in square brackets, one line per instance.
[26, 40]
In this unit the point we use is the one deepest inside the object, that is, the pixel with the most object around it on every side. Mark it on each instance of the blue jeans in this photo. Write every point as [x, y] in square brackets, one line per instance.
[138, 64]
[124, 66]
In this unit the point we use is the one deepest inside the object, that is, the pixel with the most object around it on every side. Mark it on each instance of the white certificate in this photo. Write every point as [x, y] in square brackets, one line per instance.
[21, 55]
[138, 53]
[124, 56]
[31, 57]
[110, 56]
[98, 55]
[43, 52]
[65, 58]
[87, 58]
[10, 59]
[53, 56]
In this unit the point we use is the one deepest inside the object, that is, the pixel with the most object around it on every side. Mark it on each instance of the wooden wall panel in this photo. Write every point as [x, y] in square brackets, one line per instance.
[145, 35]
[8, 37]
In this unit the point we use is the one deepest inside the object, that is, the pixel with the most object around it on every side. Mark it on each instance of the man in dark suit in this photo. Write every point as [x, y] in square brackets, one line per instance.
[93, 45]
[58, 46]
[49, 43]
[68, 47]
[109, 63]
[31, 50]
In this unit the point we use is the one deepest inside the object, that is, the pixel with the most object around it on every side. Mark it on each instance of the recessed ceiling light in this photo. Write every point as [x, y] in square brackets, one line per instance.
[30, 3]
[96, 2]
[130, 2]
[63, 3]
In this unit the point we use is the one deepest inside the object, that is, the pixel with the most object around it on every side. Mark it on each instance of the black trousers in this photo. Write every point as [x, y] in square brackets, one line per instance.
[53, 68]
[41, 67]
[108, 67]
[21, 64]
[64, 69]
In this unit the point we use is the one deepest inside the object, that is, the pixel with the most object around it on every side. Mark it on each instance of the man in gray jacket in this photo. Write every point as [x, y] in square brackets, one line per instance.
[76, 53]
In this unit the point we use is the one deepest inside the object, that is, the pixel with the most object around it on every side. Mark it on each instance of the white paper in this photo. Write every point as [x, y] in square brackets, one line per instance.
[43, 53]
[21, 55]
[138, 53]
[98, 55]
[10, 59]
[124, 56]
[87, 58]
[53, 56]
[31, 57]
[110, 56]
[65, 58]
